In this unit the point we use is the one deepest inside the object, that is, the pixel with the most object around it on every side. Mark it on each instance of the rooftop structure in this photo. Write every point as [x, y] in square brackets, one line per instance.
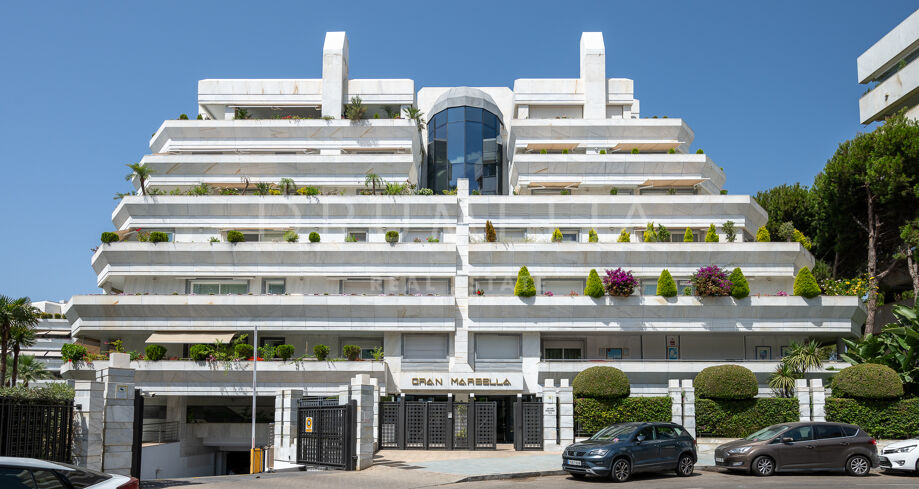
[890, 64]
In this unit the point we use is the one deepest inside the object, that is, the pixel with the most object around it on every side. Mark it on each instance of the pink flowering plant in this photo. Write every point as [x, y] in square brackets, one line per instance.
[711, 281]
[619, 282]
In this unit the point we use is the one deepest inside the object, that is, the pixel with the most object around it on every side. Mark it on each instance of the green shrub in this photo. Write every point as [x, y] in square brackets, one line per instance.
[542, 152]
[314, 237]
[699, 151]
[726, 382]
[867, 381]
[392, 237]
[291, 236]
[595, 414]
[155, 352]
[711, 236]
[308, 190]
[109, 237]
[557, 236]
[594, 287]
[183, 117]
[762, 235]
[525, 286]
[321, 352]
[266, 352]
[730, 233]
[806, 284]
[158, 237]
[490, 234]
[243, 350]
[671, 151]
[235, 236]
[624, 237]
[592, 236]
[351, 352]
[635, 151]
[284, 351]
[879, 418]
[688, 237]
[71, 352]
[564, 151]
[666, 287]
[799, 237]
[601, 383]
[739, 418]
[602, 151]
[199, 353]
[614, 191]
[57, 391]
[739, 286]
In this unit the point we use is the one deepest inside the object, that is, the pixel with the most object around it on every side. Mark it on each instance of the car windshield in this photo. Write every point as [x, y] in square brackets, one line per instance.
[767, 433]
[613, 432]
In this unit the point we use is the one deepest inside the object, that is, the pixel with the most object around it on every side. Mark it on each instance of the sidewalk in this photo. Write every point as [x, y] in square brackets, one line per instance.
[471, 464]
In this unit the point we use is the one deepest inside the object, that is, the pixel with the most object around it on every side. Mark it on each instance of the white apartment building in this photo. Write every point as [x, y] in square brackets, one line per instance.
[890, 64]
[545, 154]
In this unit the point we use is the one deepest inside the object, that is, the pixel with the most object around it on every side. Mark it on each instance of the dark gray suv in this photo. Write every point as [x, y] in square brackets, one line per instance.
[619, 450]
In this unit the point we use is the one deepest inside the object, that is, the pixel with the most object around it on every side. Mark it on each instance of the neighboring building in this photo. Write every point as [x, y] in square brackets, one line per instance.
[439, 302]
[52, 332]
[891, 65]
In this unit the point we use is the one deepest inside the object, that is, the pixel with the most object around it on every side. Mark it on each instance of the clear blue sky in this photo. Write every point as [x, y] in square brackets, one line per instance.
[769, 88]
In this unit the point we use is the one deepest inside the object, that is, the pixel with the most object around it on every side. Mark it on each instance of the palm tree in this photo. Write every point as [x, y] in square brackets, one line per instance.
[13, 313]
[30, 370]
[373, 180]
[262, 188]
[355, 110]
[142, 173]
[415, 114]
[287, 185]
[22, 334]
[805, 356]
[782, 381]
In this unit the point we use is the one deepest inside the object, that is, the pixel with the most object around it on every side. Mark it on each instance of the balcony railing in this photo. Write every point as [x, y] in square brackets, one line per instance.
[162, 432]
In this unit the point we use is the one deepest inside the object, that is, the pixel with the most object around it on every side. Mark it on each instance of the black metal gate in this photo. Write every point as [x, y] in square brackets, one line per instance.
[528, 433]
[137, 442]
[36, 429]
[425, 425]
[326, 435]
[485, 423]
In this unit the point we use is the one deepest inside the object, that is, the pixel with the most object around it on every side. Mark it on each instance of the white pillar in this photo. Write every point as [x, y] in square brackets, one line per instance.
[550, 416]
[334, 74]
[87, 424]
[286, 403]
[566, 413]
[362, 392]
[593, 74]
[676, 401]
[818, 400]
[460, 362]
[689, 406]
[118, 415]
[804, 400]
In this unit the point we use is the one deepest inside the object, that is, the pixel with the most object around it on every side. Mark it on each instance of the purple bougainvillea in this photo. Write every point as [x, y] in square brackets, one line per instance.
[619, 282]
[711, 281]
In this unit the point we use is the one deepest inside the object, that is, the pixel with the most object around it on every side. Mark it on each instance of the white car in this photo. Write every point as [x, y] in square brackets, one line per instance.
[28, 473]
[901, 455]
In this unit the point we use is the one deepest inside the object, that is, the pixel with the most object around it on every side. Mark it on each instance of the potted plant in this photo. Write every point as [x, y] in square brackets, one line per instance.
[619, 282]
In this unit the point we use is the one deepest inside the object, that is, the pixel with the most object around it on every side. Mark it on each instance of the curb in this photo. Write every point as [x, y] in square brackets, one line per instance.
[515, 475]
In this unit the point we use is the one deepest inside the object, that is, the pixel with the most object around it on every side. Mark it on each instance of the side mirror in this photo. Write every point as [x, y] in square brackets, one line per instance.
[787, 439]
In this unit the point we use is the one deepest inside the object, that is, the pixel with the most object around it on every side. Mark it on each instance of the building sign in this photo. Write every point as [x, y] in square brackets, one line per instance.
[442, 381]
[308, 425]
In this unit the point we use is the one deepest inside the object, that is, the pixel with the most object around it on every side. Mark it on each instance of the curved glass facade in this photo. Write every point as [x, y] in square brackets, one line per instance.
[465, 142]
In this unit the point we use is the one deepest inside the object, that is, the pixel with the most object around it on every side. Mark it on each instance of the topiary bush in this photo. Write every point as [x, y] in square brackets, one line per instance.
[594, 287]
[71, 352]
[666, 287]
[726, 382]
[109, 237]
[592, 236]
[557, 236]
[739, 286]
[199, 353]
[711, 236]
[671, 151]
[490, 234]
[158, 237]
[595, 414]
[739, 418]
[897, 419]
[635, 151]
[291, 236]
[614, 191]
[525, 286]
[762, 235]
[321, 352]
[392, 237]
[314, 237]
[351, 352]
[688, 237]
[601, 383]
[284, 352]
[235, 236]
[806, 284]
[867, 381]
[699, 151]
[243, 350]
[155, 352]
[624, 237]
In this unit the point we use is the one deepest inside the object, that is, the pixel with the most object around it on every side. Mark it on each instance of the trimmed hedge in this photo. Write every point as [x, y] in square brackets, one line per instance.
[314, 237]
[594, 287]
[525, 286]
[109, 237]
[199, 353]
[867, 381]
[666, 287]
[601, 383]
[726, 382]
[739, 286]
[154, 352]
[284, 351]
[596, 414]
[243, 351]
[806, 284]
[57, 391]
[235, 236]
[881, 419]
[741, 417]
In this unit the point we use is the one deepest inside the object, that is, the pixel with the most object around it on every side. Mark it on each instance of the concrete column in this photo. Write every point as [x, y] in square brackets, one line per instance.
[818, 400]
[87, 424]
[550, 416]
[689, 406]
[523, 111]
[461, 360]
[362, 392]
[566, 413]
[118, 415]
[229, 113]
[376, 413]
[676, 401]
[334, 74]
[285, 424]
[804, 400]
[593, 75]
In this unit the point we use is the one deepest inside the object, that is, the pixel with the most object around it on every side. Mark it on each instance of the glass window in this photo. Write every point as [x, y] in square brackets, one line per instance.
[648, 288]
[569, 236]
[497, 347]
[234, 288]
[648, 433]
[850, 430]
[359, 236]
[455, 114]
[563, 354]
[275, 286]
[424, 347]
[16, 478]
[219, 288]
[800, 433]
[82, 478]
[204, 289]
[45, 479]
[666, 433]
[470, 139]
[824, 431]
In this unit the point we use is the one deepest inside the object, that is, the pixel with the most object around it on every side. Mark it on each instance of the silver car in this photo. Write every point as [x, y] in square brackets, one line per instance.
[29, 473]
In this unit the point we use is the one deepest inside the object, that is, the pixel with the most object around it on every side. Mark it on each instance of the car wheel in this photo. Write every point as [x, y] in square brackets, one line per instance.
[685, 466]
[763, 466]
[917, 467]
[621, 470]
[858, 466]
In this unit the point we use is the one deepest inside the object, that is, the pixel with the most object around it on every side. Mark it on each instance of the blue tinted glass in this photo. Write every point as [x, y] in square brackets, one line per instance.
[440, 120]
[456, 135]
[473, 114]
[489, 119]
[463, 144]
[455, 114]
[473, 143]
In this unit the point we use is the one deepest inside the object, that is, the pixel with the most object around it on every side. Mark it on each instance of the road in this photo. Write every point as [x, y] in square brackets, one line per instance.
[401, 479]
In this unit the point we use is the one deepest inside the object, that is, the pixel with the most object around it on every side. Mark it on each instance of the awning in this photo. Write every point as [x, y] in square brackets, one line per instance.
[551, 146]
[538, 185]
[672, 182]
[190, 338]
[657, 146]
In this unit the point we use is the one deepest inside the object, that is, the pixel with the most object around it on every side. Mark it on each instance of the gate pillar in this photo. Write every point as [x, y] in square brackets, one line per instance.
[362, 391]
[87, 424]
[285, 424]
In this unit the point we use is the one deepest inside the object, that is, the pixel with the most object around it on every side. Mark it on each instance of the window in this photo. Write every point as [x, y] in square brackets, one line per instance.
[271, 341]
[666, 433]
[648, 287]
[16, 478]
[81, 478]
[274, 286]
[436, 286]
[677, 237]
[425, 347]
[366, 345]
[569, 235]
[251, 237]
[800, 433]
[647, 433]
[213, 287]
[614, 353]
[682, 285]
[849, 430]
[824, 431]
[364, 286]
[358, 235]
[497, 347]
[45, 479]
[511, 235]
[563, 354]
[562, 286]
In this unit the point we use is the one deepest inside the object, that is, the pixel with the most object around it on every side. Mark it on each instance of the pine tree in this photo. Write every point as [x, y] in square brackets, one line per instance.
[663, 235]
[762, 235]
[592, 236]
[666, 287]
[711, 236]
[625, 237]
[525, 286]
[650, 235]
[806, 284]
[557, 236]
[594, 286]
[490, 235]
[739, 286]
[688, 237]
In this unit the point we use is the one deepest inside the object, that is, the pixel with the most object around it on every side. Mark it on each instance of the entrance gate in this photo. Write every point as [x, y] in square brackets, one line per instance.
[326, 435]
[528, 433]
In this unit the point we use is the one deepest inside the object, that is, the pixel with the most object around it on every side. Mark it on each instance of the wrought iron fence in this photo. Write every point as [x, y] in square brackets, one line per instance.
[36, 429]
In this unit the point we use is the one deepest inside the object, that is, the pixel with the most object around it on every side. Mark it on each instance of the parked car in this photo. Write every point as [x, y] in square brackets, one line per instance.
[620, 450]
[901, 455]
[29, 473]
[797, 446]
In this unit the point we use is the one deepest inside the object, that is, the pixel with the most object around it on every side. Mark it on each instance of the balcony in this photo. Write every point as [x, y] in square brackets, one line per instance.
[898, 91]
[654, 314]
[612, 134]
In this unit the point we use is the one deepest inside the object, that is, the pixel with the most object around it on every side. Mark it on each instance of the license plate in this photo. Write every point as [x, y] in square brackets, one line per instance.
[573, 462]
[718, 459]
